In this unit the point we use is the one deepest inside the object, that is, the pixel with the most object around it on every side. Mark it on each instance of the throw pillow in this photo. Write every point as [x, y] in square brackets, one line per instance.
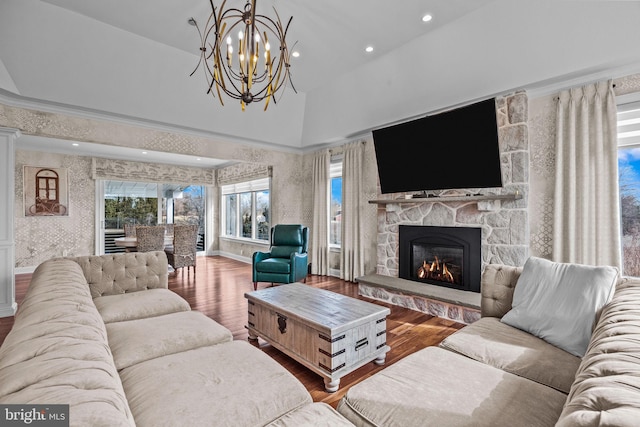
[558, 302]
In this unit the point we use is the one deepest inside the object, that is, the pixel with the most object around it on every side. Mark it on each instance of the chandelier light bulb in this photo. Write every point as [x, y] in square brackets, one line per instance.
[229, 41]
[240, 35]
[267, 46]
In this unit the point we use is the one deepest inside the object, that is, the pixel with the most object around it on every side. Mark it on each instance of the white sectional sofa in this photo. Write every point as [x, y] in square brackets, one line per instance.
[492, 374]
[104, 335]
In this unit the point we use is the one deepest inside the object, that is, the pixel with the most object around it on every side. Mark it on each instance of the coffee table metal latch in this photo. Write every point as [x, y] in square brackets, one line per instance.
[282, 323]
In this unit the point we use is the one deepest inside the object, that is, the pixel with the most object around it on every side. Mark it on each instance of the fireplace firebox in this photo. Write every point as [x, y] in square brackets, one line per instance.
[442, 256]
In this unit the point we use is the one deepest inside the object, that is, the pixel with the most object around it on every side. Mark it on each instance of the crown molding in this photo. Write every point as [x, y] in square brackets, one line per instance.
[18, 101]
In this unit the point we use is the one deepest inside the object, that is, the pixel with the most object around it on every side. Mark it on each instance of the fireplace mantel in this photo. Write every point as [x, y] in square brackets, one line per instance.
[456, 198]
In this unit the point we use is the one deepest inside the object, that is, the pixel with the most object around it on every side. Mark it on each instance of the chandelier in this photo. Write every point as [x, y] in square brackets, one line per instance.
[230, 54]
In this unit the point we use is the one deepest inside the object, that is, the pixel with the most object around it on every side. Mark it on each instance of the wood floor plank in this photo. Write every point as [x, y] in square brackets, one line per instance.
[217, 289]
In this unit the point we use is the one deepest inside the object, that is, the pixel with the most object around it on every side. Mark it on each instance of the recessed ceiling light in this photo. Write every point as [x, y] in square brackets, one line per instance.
[198, 159]
[369, 49]
[144, 152]
[75, 144]
[427, 18]
[295, 54]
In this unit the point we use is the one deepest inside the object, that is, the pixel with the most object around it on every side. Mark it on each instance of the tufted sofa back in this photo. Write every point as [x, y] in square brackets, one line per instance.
[497, 285]
[114, 274]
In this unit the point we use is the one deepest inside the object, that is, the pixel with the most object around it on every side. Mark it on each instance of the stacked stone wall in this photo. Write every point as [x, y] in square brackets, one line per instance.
[504, 223]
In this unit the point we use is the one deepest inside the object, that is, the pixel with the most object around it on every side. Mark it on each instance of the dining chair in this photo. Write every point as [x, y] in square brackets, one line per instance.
[150, 238]
[130, 230]
[183, 251]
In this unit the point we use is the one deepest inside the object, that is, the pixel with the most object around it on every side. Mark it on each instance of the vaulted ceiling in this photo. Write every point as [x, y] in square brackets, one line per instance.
[132, 59]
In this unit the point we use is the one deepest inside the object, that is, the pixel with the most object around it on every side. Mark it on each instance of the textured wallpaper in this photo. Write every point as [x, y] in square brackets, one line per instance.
[542, 121]
[38, 238]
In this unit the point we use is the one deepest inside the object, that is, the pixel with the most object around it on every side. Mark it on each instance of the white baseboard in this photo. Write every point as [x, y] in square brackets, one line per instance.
[334, 272]
[240, 258]
[8, 310]
[24, 270]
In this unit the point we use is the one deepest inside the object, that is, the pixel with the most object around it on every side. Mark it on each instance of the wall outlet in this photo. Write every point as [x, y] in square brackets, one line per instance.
[65, 252]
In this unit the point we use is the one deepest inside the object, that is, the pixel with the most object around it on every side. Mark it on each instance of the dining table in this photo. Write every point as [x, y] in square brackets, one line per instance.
[131, 242]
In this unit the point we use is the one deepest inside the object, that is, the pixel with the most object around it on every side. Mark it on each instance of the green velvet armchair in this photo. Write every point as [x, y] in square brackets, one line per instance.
[287, 259]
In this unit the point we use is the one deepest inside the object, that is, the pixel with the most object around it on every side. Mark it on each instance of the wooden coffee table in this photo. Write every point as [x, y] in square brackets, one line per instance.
[329, 333]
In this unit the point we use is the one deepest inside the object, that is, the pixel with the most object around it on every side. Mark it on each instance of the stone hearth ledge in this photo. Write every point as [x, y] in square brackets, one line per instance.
[453, 304]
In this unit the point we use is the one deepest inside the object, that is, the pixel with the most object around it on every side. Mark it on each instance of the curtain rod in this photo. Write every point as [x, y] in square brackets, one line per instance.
[555, 98]
[341, 148]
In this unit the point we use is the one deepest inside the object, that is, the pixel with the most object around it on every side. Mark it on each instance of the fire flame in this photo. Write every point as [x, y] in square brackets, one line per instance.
[435, 271]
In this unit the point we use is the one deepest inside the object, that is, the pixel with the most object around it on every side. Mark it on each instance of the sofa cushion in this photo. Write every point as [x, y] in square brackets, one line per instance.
[497, 285]
[606, 391]
[135, 341]
[57, 351]
[436, 387]
[139, 305]
[274, 265]
[559, 302]
[504, 347]
[227, 384]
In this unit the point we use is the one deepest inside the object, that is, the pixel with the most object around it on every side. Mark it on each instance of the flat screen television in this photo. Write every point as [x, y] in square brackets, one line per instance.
[452, 150]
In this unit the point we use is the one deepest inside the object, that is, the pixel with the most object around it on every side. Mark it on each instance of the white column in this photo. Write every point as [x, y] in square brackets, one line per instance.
[8, 304]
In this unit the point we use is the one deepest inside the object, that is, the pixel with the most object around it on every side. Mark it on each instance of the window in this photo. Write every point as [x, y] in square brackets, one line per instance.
[185, 205]
[629, 184]
[144, 203]
[335, 206]
[246, 210]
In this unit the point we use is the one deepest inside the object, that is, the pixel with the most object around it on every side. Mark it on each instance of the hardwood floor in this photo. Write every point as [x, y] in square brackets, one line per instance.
[218, 288]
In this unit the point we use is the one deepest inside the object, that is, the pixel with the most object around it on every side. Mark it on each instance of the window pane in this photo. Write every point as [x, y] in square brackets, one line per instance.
[629, 182]
[335, 213]
[130, 203]
[253, 215]
[230, 214]
[262, 215]
[189, 208]
[245, 212]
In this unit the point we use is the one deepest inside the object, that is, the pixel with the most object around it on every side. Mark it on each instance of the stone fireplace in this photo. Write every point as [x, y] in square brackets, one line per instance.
[500, 215]
[441, 256]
